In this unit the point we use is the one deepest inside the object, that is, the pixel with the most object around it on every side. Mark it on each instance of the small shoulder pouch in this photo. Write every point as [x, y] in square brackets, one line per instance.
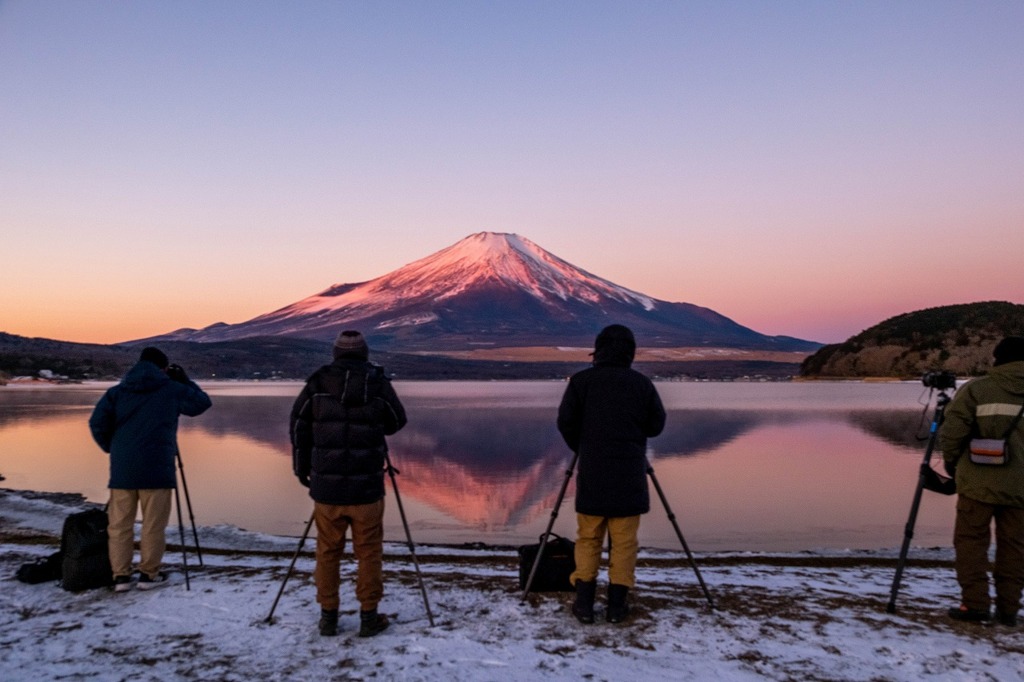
[993, 451]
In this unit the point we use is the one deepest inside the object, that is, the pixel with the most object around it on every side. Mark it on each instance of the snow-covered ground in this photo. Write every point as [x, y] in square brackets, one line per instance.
[803, 616]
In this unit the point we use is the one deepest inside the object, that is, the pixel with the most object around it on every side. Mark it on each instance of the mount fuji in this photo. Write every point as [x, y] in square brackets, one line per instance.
[497, 290]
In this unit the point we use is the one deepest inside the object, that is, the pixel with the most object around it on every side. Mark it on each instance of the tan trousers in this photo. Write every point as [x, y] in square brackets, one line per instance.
[156, 510]
[367, 524]
[972, 537]
[589, 540]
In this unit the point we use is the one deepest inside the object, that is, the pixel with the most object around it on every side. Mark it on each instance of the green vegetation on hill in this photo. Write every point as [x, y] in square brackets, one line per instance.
[955, 338]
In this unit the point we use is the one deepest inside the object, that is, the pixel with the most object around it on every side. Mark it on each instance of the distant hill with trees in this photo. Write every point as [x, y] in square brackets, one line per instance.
[281, 357]
[955, 338]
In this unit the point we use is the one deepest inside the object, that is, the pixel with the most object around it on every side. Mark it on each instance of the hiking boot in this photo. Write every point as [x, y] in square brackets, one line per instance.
[328, 623]
[151, 582]
[122, 583]
[583, 607]
[618, 610]
[966, 615]
[1007, 619]
[372, 623]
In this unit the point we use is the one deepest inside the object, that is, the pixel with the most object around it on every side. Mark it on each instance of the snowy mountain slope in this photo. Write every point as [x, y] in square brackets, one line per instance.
[491, 289]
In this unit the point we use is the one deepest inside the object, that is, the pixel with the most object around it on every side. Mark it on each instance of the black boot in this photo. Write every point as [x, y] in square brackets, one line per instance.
[372, 623]
[583, 607]
[328, 623]
[618, 610]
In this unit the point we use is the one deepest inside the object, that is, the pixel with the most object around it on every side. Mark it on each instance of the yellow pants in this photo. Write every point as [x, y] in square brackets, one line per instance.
[590, 539]
[156, 510]
[367, 524]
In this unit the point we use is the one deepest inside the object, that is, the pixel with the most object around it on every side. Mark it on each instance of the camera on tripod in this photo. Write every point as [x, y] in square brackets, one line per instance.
[939, 380]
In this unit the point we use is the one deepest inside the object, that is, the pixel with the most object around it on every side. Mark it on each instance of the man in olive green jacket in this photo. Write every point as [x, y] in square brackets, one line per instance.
[987, 407]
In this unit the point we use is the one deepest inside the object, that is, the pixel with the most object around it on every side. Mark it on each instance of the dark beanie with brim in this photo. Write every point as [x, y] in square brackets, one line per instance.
[351, 344]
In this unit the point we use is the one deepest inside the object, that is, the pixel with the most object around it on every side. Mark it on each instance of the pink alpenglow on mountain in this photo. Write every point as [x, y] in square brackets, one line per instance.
[492, 289]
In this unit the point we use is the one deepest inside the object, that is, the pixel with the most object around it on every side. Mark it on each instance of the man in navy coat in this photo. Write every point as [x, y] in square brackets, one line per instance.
[136, 421]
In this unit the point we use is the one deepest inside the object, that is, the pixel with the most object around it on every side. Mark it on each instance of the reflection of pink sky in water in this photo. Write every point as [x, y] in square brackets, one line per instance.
[789, 480]
[799, 486]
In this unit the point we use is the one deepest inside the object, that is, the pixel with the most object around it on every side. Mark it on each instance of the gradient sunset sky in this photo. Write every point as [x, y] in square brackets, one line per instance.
[804, 168]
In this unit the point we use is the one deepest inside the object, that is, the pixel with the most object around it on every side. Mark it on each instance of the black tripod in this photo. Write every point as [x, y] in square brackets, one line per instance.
[302, 541]
[408, 536]
[181, 524]
[664, 502]
[679, 534]
[908, 532]
[554, 515]
[392, 471]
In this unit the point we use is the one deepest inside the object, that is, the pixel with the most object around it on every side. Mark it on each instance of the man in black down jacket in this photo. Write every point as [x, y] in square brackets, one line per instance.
[606, 416]
[136, 421]
[338, 425]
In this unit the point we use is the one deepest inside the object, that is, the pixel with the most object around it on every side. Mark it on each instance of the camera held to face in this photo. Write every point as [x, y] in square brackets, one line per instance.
[939, 380]
[176, 373]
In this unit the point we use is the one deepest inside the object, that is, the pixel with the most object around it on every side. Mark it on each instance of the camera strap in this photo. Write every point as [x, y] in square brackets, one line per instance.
[1013, 424]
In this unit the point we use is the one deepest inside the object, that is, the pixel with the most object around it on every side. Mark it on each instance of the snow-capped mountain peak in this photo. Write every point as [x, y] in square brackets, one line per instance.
[479, 259]
[490, 288]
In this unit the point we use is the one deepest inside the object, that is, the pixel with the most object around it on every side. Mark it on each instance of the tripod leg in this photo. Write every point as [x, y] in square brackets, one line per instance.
[408, 536]
[188, 503]
[551, 523]
[679, 534]
[908, 530]
[270, 617]
[181, 533]
[908, 534]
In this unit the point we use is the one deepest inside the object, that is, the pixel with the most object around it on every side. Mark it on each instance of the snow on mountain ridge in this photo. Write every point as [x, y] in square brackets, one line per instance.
[502, 258]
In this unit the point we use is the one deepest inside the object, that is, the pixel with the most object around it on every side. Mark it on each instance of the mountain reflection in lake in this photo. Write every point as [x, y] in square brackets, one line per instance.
[744, 466]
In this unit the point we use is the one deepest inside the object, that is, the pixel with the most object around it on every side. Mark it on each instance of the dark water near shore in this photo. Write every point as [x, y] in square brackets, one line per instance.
[777, 466]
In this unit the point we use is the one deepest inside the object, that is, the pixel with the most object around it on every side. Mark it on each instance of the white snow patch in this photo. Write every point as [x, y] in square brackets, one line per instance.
[778, 617]
[408, 321]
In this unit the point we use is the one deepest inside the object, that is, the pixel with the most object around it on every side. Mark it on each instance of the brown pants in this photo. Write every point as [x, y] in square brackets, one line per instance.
[156, 510]
[367, 524]
[971, 539]
[589, 540]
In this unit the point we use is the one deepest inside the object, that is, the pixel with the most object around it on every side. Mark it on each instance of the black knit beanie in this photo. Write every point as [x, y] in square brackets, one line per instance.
[154, 355]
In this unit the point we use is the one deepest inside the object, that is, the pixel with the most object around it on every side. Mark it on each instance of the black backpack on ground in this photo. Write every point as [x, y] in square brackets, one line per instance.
[83, 543]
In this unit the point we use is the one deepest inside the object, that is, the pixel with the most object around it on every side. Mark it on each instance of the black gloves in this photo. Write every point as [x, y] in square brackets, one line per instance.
[176, 373]
[304, 480]
[950, 468]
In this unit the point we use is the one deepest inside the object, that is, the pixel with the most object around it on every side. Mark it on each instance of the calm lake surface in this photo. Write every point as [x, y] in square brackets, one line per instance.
[745, 466]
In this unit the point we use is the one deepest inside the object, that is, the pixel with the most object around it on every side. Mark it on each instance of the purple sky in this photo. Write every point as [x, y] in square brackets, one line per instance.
[805, 168]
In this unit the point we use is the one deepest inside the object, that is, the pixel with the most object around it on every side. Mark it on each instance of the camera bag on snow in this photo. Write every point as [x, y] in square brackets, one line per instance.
[41, 570]
[83, 543]
[556, 565]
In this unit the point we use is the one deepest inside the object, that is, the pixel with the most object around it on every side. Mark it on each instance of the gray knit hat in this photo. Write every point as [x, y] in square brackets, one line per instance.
[351, 344]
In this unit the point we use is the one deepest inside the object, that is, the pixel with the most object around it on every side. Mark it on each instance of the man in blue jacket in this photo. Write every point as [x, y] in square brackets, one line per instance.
[136, 422]
[606, 416]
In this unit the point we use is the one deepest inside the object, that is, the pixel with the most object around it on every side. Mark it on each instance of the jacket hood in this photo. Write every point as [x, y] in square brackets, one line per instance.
[144, 377]
[615, 345]
[1009, 377]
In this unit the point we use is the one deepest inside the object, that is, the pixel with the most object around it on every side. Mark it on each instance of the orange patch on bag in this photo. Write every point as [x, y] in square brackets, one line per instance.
[989, 451]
